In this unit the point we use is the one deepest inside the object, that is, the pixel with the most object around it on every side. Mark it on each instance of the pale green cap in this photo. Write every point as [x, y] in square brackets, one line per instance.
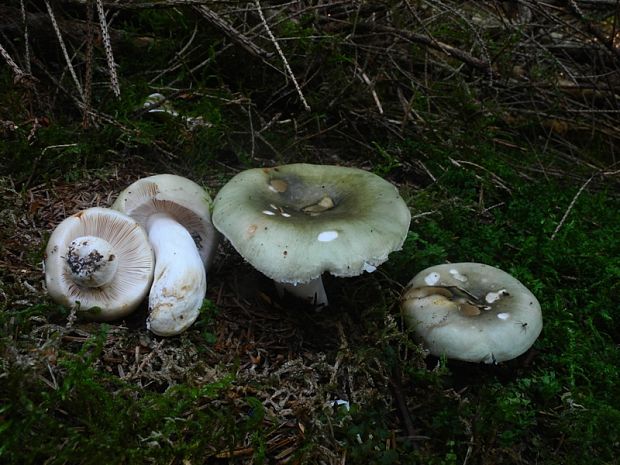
[472, 312]
[295, 222]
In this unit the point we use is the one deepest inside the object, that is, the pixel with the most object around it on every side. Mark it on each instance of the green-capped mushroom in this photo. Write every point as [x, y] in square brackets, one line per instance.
[295, 222]
[471, 312]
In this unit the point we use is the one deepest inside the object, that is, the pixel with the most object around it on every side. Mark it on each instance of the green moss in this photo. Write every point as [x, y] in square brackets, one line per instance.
[88, 416]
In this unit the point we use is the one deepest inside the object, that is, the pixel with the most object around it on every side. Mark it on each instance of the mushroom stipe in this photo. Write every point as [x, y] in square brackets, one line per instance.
[176, 213]
[99, 259]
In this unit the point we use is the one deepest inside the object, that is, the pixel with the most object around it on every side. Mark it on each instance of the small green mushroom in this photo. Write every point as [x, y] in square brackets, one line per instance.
[471, 312]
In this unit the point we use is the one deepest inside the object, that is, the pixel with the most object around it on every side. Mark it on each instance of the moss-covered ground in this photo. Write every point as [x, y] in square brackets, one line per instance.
[496, 165]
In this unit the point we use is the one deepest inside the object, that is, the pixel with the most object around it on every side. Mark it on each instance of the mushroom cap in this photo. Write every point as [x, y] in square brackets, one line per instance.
[184, 200]
[294, 222]
[472, 312]
[91, 260]
[128, 244]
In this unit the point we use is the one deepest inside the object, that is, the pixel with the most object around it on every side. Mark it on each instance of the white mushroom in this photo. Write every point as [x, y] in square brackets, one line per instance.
[471, 312]
[100, 261]
[175, 213]
[295, 222]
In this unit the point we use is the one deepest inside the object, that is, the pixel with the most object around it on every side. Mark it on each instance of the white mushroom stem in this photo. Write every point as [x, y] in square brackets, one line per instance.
[312, 292]
[180, 281]
[91, 261]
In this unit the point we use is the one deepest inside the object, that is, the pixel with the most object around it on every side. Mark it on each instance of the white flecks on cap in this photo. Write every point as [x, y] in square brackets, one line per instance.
[278, 185]
[458, 276]
[327, 236]
[498, 318]
[339, 218]
[495, 296]
[368, 268]
[268, 212]
[432, 278]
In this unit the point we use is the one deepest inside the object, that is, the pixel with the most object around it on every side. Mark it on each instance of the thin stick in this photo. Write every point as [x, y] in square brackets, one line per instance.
[364, 77]
[592, 28]
[401, 403]
[19, 73]
[432, 43]
[570, 207]
[88, 78]
[253, 136]
[233, 33]
[50, 12]
[26, 38]
[286, 65]
[108, 49]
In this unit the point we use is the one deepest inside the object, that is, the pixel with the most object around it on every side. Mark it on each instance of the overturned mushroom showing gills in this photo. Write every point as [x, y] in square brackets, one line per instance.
[295, 222]
[100, 261]
[471, 312]
[175, 213]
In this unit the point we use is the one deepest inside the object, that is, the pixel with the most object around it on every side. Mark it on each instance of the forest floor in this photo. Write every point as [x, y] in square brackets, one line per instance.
[497, 123]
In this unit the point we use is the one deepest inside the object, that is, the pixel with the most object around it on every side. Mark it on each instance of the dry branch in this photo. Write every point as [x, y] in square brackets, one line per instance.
[141, 5]
[26, 37]
[546, 67]
[76, 81]
[107, 46]
[282, 56]
[570, 207]
[88, 77]
[236, 36]
[17, 71]
[608, 42]
[430, 42]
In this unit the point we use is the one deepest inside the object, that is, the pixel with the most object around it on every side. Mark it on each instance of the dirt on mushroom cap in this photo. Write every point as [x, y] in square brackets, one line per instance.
[295, 222]
[132, 252]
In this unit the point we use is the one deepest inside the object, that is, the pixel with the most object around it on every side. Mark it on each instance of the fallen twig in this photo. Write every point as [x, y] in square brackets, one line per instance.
[401, 403]
[78, 86]
[570, 206]
[26, 38]
[17, 71]
[107, 46]
[433, 43]
[594, 29]
[286, 65]
[88, 75]
[233, 33]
